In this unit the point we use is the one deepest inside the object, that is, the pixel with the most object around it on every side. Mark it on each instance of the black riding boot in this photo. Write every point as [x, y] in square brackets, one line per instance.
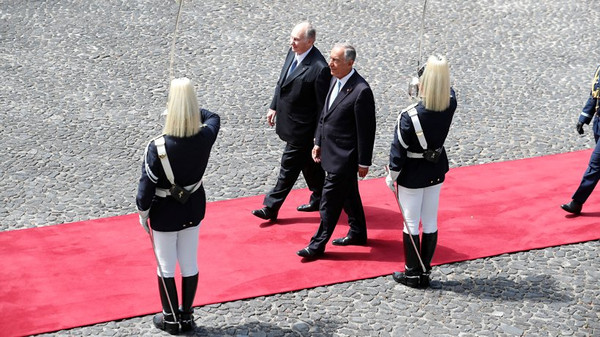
[188, 293]
[167, 320]
[412, 269]
[428, 245]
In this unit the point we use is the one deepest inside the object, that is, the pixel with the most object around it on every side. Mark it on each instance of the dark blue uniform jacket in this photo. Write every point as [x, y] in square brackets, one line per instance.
[589, 109]
[418, 172]
[188, 158]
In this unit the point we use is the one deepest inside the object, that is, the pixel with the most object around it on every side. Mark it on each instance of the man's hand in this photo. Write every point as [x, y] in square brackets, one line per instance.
[316, 154]
[580, 128]
[271, 117]
[362, 171]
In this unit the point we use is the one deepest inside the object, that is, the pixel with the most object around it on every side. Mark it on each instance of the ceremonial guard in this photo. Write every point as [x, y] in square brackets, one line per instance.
[592, 174]
[417, 168]
[171, 200]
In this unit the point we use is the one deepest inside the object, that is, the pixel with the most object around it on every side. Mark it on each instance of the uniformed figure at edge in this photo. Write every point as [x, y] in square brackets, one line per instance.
[592, 173]
[418, 165]
[189, 134]
[294, 110]
[344, 146]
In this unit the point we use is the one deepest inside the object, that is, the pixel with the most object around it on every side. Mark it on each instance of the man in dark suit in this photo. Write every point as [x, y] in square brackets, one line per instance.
[344, 146]
[299, 97]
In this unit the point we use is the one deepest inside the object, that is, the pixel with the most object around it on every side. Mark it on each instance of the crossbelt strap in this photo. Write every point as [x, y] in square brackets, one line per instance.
[402, 142]
[162, 154]
[418, 129]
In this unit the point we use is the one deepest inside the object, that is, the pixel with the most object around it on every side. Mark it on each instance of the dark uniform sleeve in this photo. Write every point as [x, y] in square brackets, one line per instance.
[398, 151]
[211, 125]
[151, 168]
[589, 109]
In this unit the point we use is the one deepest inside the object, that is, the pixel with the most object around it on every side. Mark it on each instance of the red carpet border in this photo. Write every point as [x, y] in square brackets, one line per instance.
[76, 274]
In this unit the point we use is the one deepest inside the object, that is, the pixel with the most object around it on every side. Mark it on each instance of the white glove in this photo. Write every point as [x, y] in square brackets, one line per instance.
[144, 215]
[391, 179]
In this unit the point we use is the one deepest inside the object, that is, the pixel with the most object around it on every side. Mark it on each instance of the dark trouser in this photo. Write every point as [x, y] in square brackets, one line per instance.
[340, 191]
[591, 175]
[296, 159]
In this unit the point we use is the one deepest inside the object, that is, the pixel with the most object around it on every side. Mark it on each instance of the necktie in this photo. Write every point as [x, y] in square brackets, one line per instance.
[292, 67]
[334, 93]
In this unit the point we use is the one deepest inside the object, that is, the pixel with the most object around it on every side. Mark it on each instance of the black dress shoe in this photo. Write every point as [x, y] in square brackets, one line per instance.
[308, 208]
[572, 207]
[348, 240]
[309, 253]
[265, 213]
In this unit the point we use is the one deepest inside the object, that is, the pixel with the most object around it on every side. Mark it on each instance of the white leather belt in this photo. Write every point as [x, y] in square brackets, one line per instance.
[164, 192]
[414, 154]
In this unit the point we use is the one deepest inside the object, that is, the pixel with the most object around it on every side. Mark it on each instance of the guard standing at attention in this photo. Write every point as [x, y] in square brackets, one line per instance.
[592, 173]
[418, 166]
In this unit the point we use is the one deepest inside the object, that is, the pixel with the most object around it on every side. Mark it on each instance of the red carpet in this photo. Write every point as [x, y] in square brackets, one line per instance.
[77, 274]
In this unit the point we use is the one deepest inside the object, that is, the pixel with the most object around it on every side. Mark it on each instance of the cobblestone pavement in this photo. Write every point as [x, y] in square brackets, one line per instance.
[83, 84]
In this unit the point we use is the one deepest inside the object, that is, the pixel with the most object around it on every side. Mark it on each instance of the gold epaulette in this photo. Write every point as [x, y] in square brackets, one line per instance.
[596, 92]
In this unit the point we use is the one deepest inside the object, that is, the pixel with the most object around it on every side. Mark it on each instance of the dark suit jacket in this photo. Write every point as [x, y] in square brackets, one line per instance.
[299, 99]
[346, 131]
[418, 172]
[188, 158]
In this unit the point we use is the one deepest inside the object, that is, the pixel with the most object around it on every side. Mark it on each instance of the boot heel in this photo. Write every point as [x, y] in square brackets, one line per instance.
[186, 320]
[166, 322]
[412, 281]
[424, 280]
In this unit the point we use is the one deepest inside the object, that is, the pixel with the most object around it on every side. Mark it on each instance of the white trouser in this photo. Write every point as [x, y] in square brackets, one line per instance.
[179, 246]
[420, 204]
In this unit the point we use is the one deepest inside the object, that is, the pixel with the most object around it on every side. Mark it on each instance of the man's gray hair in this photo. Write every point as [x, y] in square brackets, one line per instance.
[310, 33]
[349, 51]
